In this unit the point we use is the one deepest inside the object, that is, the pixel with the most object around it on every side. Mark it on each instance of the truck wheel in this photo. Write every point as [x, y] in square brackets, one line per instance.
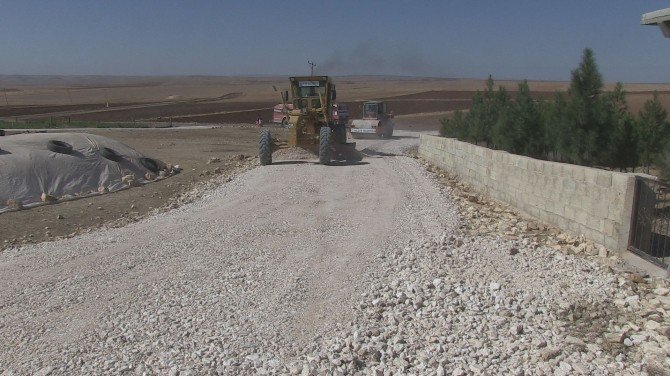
[150, 164]
[265, 146]
[59, 147]
[324, 145]
[340, 134]
[111, 154]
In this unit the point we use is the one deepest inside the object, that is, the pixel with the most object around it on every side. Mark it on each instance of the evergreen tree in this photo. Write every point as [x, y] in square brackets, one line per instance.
[491, 111]
[476, 118]
[456, 127]
[483, 114]
[663, 161]
[623, 148]
[588, 130]
[653, 130]
[529, 123]
[544, 109]
[557, 129]
[505, 132]
[587, 82]
[501, 130]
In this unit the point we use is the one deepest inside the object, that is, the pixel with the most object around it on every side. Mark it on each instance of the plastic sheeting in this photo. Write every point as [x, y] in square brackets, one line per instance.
[28, 168]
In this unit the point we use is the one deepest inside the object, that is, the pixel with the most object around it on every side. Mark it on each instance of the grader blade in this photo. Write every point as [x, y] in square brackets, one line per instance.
[346, 152]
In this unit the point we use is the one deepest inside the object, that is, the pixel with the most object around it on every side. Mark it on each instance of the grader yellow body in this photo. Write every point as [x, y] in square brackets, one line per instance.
[311, 124]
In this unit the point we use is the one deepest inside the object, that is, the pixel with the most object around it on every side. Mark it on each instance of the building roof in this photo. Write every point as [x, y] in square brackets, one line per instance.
[661, 18]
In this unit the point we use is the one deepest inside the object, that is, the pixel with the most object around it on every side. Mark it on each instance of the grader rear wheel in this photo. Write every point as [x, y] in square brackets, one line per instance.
[340, 134]
[324, 145]
[265, 146]
[388, 131]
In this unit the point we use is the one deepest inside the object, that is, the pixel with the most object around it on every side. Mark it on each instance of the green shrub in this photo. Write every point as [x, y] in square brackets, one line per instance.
[588, 127]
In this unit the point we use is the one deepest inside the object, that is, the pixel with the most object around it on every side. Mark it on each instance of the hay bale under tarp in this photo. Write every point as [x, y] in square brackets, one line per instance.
[47, 167]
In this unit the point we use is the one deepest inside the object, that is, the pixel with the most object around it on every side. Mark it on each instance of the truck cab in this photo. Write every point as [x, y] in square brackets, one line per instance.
[374, 110]
[340, 114]
[281, 113]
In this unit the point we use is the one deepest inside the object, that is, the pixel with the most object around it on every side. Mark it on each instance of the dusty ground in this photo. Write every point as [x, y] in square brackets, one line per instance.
[222, 285]
[419, 105]
[361, 268]
[189, 148]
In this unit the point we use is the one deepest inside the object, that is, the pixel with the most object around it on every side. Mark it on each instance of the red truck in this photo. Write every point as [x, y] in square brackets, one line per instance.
[340, 114]
[281, 113]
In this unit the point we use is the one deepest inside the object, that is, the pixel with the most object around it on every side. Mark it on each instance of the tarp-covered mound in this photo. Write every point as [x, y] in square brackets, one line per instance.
[47, 167]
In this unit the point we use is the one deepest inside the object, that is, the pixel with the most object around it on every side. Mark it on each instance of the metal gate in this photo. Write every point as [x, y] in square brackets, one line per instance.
[650, 235]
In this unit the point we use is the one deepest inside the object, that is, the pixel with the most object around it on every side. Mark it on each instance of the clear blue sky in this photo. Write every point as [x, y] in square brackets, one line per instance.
[534, 39]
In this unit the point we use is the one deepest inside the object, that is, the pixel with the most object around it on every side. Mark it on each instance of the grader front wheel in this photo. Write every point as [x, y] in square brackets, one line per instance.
[340, 134]
[324, 145]
[388, 131]
[265, 146]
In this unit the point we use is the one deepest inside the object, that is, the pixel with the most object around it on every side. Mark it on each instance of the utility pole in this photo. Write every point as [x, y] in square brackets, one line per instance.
[6, 100]
[312, 65]
[68, 95]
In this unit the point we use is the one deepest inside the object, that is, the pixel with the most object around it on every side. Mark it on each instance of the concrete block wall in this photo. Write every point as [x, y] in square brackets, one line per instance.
[582, 200]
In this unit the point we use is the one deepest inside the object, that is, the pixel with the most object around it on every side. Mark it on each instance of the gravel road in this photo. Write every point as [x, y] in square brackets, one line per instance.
[307, 269]
[266, 261]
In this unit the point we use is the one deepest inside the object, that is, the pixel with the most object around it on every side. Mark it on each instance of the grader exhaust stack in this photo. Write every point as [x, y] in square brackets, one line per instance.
[311, 124]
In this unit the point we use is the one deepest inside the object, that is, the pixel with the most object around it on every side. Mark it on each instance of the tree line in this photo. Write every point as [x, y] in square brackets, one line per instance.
[585, 126]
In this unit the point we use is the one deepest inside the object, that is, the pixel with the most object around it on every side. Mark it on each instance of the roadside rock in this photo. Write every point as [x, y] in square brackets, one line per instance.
[14, 204]
[130, 180]
[46, 198]
[550, 353]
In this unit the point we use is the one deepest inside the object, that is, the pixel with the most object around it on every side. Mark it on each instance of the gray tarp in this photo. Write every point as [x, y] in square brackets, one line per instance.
[28, 168]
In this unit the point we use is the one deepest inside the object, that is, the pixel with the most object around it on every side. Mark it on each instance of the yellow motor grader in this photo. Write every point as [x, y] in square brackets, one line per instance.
[311, 124]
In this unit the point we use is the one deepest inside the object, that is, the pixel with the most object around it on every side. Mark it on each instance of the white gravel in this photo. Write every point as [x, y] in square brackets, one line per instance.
[308, 269]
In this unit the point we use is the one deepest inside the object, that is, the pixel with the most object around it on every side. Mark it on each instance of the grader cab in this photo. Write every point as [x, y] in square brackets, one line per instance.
[311, 124]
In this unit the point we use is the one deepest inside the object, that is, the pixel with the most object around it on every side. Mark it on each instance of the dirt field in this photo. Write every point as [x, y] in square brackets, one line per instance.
[242, 99]
[419, 105]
